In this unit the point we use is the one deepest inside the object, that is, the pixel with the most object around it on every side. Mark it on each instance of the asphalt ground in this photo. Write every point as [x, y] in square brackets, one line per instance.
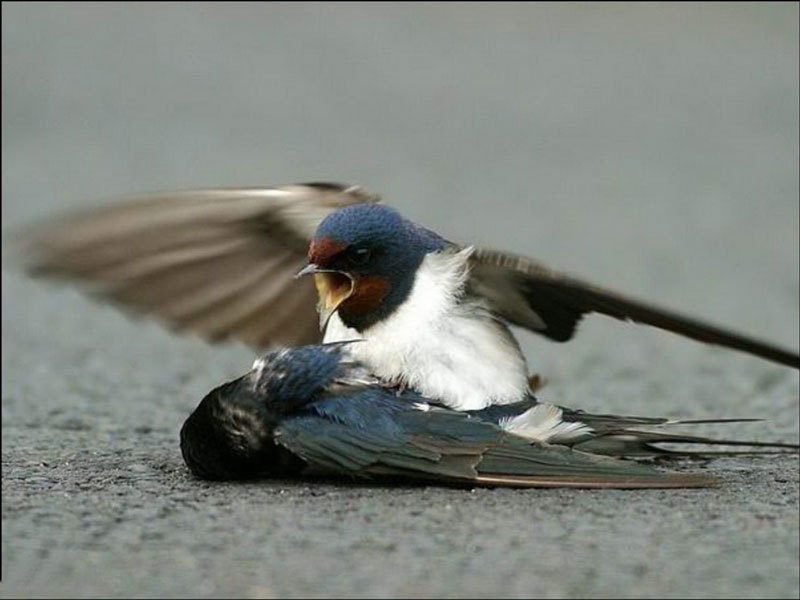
[651, 148]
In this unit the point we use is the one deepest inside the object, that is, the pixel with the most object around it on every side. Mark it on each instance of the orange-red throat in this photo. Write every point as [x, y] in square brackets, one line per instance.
[350, 293]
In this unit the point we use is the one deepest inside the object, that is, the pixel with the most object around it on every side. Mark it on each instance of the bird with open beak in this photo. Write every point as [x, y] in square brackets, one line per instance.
[433, 315]
[402, 290]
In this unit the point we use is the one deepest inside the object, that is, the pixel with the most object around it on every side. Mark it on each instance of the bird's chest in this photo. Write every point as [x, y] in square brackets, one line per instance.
[463, 360]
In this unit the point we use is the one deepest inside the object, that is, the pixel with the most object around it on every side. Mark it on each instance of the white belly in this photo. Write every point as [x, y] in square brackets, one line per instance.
[446, 349]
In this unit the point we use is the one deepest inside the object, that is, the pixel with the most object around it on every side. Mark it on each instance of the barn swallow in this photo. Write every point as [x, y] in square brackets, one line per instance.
[312, 410]
[433, 315]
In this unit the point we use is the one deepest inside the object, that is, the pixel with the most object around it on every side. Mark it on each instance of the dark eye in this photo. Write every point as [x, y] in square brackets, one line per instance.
[359, 255]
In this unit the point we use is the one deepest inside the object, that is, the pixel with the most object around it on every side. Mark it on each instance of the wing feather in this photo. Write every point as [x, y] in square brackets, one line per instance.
[219, 263]
[450, 446]
[532, 295]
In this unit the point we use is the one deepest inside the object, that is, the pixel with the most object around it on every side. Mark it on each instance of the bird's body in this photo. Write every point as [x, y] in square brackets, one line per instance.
[299, 411]
[312, 409]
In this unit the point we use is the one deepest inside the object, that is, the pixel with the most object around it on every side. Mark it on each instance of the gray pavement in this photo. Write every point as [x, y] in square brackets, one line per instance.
[652, 148]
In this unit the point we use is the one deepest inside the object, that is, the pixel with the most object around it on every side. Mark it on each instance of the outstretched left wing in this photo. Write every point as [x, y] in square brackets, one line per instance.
[528, 293]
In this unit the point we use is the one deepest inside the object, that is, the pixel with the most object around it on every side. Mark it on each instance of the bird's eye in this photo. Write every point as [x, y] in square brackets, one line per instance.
[359, 255]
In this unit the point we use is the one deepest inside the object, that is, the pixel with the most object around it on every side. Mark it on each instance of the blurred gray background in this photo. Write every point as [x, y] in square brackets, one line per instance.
[651, 148]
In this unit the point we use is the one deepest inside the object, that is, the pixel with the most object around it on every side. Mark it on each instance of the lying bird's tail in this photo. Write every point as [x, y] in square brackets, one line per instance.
[621, 435]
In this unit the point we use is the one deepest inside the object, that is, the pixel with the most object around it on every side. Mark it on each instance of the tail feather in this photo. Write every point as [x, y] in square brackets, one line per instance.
[637, 442]
[624, 435]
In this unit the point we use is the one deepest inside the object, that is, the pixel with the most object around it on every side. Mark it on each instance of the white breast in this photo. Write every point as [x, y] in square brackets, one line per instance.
[445, 346]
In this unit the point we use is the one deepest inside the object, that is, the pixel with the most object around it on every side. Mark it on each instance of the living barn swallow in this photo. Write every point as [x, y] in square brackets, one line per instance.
[433, 315]
[313, 410]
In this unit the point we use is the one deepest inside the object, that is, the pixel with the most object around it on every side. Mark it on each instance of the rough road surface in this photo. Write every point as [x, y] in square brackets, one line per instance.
[652, 148]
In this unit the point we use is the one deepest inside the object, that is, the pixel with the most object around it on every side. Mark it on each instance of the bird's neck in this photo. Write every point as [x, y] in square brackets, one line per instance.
[441, 342]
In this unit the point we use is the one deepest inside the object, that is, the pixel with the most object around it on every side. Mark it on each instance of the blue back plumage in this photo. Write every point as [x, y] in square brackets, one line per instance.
[290, 377]
[371, 409]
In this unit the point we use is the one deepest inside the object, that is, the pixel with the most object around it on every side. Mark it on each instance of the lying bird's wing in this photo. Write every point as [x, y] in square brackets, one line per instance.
[370, 433]
[216, 262]
[529, 294]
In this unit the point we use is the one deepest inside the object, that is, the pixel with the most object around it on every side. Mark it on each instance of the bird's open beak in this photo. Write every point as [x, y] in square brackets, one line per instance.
[333, 288]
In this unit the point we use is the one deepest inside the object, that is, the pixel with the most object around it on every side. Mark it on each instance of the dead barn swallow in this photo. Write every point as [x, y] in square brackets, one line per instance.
[312, 410]
[433, 315]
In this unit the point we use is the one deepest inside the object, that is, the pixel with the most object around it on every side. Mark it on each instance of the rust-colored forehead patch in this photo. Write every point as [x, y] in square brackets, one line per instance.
[323, 249]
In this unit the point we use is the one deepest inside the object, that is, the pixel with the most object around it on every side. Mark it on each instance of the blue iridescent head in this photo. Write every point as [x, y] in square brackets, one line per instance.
[364, 258]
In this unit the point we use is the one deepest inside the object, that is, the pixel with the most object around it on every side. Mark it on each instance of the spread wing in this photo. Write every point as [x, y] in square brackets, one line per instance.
[373, 437]
[219, 263]
[531, 295]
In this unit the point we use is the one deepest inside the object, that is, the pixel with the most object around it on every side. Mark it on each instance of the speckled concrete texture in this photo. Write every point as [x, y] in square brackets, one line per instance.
[652, 148]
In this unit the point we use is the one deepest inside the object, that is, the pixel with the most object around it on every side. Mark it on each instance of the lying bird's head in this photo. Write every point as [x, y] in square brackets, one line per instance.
[230, 435]
[364, 258]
